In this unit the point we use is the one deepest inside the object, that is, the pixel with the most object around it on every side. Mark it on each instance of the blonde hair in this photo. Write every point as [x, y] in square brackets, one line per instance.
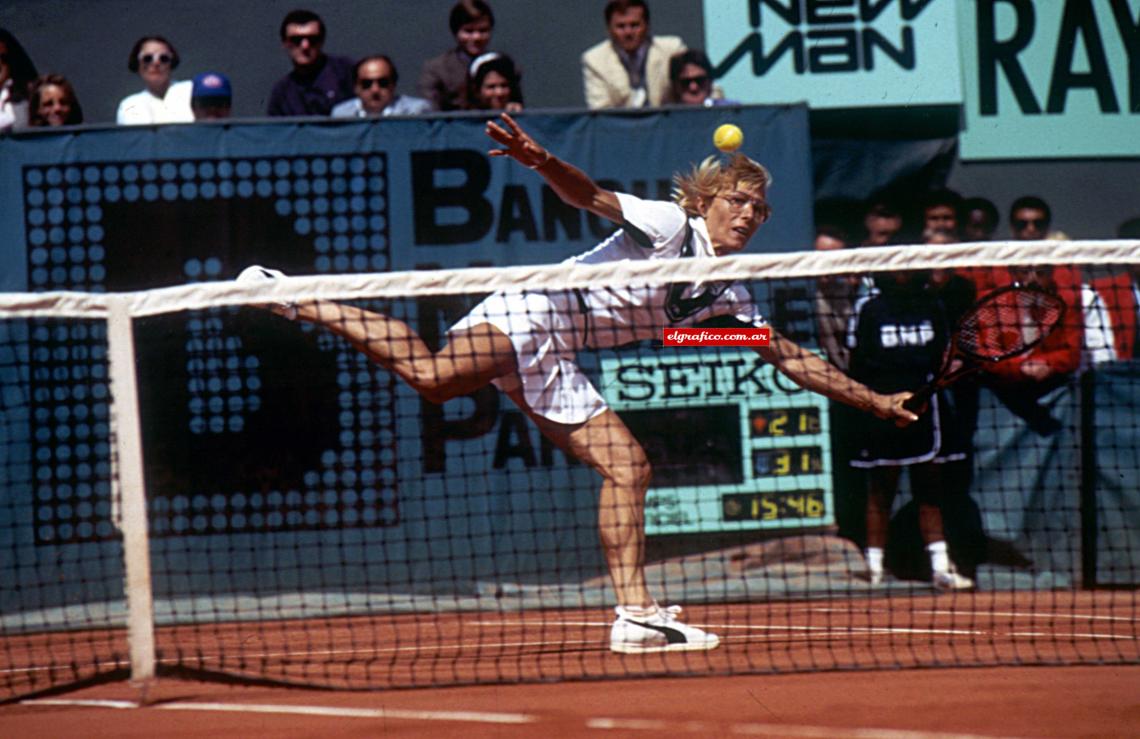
[714, 174]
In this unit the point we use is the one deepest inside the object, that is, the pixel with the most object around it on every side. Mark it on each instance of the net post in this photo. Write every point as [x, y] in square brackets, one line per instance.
[132, 489]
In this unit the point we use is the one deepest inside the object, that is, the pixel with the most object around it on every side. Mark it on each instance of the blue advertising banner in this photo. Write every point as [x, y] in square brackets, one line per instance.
[257, 430]
[183, 203]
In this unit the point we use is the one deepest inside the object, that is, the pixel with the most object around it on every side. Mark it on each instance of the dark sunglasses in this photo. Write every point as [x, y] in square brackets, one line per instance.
[4, 59]
[300, 38]
[700, 81]
[1021, 223]
[156, 59]
[366, 83]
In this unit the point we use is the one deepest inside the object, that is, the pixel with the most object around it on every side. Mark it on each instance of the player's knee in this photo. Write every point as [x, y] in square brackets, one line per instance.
[634, 474]
[432, 386]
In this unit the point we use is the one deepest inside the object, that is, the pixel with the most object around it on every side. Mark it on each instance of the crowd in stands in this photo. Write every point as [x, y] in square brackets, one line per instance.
[631, 68]
[863, 322]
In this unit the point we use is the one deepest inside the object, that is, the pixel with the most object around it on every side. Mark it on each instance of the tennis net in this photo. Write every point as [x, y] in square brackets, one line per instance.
[194, 486]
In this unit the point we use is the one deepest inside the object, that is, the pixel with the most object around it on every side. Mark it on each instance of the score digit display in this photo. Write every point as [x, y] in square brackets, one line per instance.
[785, 422]
[733, 444]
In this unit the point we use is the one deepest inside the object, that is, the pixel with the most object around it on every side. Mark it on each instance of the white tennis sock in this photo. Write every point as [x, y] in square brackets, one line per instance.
[641, 611]
[939, 556]
[874, 557]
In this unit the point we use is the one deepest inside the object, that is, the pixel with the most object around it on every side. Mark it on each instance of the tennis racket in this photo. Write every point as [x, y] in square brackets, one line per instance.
[1004, 324]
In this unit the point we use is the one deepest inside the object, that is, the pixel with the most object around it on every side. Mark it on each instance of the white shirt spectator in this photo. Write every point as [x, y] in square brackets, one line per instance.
[144, 108]
[12, 115]
[402, 105]
[1098, 345]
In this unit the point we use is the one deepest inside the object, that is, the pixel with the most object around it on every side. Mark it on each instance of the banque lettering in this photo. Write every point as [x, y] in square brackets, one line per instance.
[830, 36]
[452, 203]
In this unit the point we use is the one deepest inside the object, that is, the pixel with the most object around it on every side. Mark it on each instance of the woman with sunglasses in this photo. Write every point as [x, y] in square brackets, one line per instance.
[691, 78]
[374, 80]
[154, 59]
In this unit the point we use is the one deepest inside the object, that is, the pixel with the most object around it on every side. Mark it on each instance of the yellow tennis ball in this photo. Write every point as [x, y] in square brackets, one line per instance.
[728, 137]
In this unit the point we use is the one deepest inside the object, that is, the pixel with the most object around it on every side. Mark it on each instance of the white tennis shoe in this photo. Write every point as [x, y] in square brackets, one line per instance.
[658, 632]
[951, 579]
[258, 274]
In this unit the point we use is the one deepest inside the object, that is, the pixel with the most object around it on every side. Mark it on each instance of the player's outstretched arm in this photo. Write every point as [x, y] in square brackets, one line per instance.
[809, 371]
[572, 184]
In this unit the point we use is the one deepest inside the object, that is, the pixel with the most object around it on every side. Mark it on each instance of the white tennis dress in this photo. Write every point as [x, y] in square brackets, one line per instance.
[548, 328]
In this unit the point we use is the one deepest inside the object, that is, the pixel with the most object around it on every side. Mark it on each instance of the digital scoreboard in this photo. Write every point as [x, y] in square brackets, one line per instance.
[734, 444]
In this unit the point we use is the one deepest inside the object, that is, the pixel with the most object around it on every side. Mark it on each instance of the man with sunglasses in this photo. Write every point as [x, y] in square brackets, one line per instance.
[374, 80]
[318, 81]
[1029, 218]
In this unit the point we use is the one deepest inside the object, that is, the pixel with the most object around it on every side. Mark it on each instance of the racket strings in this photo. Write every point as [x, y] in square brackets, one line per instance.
[1009, 324]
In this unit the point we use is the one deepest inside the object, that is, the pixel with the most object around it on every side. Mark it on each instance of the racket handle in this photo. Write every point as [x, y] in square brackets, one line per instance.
[917, 402]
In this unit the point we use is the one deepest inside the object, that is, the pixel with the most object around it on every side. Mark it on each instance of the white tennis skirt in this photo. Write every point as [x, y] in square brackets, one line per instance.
[546, 331]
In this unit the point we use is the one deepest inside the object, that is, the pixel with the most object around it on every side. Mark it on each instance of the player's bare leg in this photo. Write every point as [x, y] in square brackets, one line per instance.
[471, 358]
[607, 445]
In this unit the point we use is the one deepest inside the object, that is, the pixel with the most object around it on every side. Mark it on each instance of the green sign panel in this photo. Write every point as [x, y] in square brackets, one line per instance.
[835, 53]
[733, 444]
[1050, 79]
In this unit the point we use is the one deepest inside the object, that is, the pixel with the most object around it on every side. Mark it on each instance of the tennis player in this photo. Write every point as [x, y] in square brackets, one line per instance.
[525, 343]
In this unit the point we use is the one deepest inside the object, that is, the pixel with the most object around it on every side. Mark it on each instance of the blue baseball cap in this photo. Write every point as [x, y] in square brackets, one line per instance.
[211, 85]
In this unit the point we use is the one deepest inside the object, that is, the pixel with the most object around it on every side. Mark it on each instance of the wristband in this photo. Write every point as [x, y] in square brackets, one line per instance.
[543, 163]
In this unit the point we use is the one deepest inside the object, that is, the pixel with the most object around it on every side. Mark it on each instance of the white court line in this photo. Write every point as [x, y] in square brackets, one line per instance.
[775, 730]
[838, 630]
[1021, 614]
[331, 711]
[1001, 614]
[619, 724]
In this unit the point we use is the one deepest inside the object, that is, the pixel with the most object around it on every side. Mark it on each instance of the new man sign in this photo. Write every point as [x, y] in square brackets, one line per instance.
[836, 53]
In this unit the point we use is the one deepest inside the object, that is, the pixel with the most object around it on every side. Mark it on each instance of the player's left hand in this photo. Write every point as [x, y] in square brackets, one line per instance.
[890, 408]
[516, 143]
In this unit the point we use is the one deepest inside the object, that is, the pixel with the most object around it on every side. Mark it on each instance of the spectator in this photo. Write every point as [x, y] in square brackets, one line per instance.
[494, 84]
[212, 99]
[631, 68]
[898, 337]
[1029, 218]
[834, 300]
[1119, 291]
[52, 102]
[882, 222]
[164, 100]
[1059, 354]
[374, 79]
[981, 219]
[691, 79]
[941, 212]
[443, 79]
[16, 73]
[318, 81]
